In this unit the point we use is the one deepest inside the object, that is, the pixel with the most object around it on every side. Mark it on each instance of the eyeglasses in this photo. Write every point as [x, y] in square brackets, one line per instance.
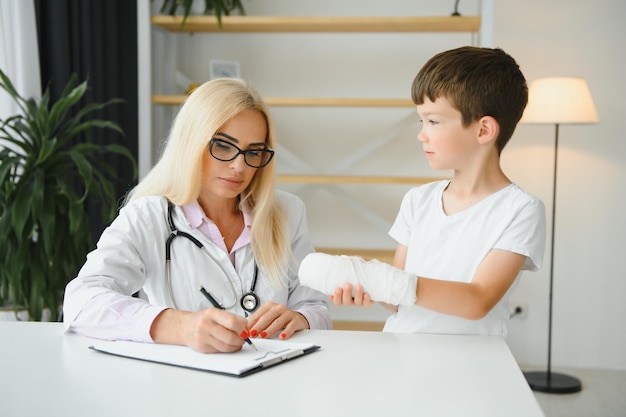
[226, 151]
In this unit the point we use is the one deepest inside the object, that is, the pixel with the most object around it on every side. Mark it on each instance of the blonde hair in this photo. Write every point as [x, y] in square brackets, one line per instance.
[177, 174]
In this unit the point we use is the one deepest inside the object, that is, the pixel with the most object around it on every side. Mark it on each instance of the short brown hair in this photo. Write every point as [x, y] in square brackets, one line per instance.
[478, 82]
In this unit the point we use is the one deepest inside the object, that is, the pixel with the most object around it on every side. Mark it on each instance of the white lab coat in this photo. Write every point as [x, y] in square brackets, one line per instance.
[130, 257]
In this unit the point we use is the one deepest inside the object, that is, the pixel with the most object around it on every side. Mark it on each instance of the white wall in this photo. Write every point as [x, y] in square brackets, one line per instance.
[560, 38]
[585, 39]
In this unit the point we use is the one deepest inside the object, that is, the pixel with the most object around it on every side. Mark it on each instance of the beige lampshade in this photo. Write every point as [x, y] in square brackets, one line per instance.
[559, 100]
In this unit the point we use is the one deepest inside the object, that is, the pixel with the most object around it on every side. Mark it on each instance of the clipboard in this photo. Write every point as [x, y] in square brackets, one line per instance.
[247, 361]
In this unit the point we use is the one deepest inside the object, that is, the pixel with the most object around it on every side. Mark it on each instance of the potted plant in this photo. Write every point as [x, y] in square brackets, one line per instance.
[45, 177]
[217, 7]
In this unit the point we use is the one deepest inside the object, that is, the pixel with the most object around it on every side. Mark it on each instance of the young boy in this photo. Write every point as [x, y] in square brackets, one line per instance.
[462, 243]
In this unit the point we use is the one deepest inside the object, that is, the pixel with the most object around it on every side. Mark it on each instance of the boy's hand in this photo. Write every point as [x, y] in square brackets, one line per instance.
[383, 282]
[345, 297]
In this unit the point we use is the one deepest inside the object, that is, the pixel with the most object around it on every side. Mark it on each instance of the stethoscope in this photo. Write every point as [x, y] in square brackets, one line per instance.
[249, 301]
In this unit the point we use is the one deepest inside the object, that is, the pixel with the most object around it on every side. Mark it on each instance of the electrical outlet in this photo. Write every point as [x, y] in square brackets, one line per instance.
[518, 310]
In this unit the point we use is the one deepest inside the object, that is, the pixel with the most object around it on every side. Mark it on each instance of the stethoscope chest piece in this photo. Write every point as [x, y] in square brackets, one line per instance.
[249, 302]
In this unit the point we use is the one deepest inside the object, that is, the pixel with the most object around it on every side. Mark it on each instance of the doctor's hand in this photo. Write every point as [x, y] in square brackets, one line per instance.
[343, 296]
[207, 331]
[271, 318]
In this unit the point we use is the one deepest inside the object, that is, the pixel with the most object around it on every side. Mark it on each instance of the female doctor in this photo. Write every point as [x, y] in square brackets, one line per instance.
[206, 215]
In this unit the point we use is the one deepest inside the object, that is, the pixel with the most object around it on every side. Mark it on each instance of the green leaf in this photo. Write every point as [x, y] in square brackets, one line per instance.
[91, 107]
[124, 151]
[47, 148]
[37, 196]
[44, 180]
[61, 107]
[9, 163]
[24, 136]
[71, 83]
[76, 213]
[20, 206]
[85, 171]
[217, 7]
[186, 9]
[48, 222]
[32, 121]
[7, 85]
[86, 126]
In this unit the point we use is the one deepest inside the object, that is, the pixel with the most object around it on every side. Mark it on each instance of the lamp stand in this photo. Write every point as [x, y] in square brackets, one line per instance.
[548, 381]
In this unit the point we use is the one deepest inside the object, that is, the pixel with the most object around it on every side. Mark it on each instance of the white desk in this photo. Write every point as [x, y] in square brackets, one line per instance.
[44, 372]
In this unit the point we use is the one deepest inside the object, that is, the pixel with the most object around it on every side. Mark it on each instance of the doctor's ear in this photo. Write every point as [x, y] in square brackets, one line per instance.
[488, 130]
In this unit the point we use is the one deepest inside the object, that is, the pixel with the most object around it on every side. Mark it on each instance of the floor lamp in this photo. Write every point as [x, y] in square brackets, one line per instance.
[557, 101]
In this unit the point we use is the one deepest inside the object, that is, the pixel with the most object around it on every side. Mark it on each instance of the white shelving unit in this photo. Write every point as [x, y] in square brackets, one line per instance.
[285, 24]
[307, 178]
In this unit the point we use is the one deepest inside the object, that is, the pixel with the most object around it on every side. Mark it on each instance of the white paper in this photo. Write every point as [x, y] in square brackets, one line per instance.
[270, 352]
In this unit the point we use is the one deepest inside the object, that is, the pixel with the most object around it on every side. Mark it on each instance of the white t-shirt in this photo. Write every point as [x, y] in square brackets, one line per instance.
[452, 247]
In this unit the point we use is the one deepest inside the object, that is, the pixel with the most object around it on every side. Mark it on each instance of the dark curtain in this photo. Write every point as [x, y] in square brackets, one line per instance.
[97, 40]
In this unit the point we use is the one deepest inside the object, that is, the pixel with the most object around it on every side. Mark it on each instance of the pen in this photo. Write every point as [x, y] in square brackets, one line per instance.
[215, 304]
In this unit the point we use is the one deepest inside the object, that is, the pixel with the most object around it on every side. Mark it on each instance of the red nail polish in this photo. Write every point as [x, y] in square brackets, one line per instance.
[263, 335]
[253, 333]
[244, 334]
[283, 336]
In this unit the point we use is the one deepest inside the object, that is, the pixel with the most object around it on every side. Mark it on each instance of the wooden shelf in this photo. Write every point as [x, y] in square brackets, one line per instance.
[291, 24]
[174, 100]
[363, 326]
[169, 100]
[297, 24]
[353, 179]
[337, 102]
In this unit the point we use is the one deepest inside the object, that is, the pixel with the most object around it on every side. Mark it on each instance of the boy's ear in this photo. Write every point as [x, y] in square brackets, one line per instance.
[488, 130]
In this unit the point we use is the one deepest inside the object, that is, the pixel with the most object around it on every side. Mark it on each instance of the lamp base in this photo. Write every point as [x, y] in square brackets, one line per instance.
[552, 383]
